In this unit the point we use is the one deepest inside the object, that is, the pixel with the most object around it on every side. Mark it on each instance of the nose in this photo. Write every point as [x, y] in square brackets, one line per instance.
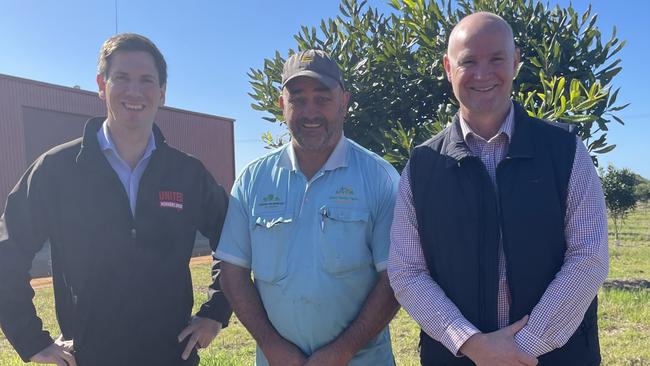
[310, 110]
[482, 71]
[134, 88]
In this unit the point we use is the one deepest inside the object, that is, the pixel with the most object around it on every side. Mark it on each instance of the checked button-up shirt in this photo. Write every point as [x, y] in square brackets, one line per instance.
[560, 310]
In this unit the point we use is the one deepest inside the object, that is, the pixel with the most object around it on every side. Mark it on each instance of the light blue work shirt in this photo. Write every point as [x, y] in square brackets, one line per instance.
[130, 178]
[315, 247]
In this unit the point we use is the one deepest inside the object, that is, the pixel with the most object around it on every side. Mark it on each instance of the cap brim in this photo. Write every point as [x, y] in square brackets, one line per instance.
[329, 82]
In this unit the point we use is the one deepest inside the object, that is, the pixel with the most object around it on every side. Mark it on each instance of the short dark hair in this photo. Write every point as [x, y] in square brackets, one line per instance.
[131, 42]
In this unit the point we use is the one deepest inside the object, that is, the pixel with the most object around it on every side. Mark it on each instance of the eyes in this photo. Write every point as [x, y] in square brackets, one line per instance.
[469, 62]
[301, 101]
[120, 79]
[148, 80]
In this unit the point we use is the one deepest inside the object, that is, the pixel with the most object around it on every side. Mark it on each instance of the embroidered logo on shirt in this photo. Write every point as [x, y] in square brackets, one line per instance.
[271, 201]
[345, 191]
[171, 199]
[344, 194]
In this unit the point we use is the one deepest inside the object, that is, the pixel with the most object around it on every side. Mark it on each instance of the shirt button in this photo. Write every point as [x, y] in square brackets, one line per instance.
[133, 233]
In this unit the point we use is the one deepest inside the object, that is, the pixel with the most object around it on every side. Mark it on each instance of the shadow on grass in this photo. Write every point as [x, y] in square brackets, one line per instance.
[633, 284]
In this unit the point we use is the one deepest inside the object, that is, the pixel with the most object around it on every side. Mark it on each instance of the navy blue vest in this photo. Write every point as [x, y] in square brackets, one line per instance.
[460, 216]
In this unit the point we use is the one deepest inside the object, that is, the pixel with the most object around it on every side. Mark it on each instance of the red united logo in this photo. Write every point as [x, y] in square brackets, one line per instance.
[171, 199]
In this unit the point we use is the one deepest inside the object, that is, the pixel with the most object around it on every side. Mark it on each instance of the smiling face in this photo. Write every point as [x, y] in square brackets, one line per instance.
[481, 63]
[132, 90]
[314, 114]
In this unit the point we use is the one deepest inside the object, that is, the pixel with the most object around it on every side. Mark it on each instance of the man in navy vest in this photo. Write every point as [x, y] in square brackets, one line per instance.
[499, 238]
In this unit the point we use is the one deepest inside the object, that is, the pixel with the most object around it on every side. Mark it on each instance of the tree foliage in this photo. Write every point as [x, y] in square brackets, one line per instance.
[642, 189]
[620, 196]
[392, 65]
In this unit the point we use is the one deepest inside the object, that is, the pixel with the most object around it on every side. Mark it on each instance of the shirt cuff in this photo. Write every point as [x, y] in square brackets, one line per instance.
[231, 259]
[28, 348]
[381, 266]
[456, 334]
[531, 344]
[217, 308]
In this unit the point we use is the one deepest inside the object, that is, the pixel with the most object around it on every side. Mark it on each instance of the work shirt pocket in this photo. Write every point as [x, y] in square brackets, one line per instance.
[344, 239]
[269, 247]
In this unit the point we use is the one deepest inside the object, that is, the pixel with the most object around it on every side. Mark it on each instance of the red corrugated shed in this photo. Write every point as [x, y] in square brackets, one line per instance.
[35, 116]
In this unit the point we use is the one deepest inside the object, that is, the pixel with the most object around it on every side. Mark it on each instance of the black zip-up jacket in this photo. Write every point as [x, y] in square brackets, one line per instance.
[122, 284]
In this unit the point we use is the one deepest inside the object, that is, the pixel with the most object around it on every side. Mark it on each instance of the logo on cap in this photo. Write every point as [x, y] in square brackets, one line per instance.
[315, 64]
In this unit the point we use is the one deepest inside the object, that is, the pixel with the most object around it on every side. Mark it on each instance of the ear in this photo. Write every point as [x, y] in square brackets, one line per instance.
[346, 101]
[281, 101]
[447, 64]
[163, 91]
[518, 63]
[101, 83]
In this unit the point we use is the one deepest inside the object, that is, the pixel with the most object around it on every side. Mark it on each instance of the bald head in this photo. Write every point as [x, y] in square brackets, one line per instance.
[476, 24]
[481, 63]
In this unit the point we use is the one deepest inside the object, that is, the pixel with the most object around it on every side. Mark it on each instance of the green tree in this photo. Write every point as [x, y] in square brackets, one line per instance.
[619, 188]
[642, 189]
[392, 64]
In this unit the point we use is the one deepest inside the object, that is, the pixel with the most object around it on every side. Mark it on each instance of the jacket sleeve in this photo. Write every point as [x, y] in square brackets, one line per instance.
[215, 204]
[22, 234]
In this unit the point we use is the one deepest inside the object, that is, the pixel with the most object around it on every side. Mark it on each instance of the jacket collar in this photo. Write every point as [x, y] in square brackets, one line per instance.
[521, 142]
[90, 149]
[457, 148]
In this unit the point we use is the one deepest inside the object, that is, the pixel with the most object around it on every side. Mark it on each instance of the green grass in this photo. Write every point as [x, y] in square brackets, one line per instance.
[624, 320]
[624, 313]
[630, 259]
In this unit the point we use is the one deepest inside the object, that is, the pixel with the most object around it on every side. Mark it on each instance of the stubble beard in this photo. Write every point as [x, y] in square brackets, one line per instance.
[296, 133]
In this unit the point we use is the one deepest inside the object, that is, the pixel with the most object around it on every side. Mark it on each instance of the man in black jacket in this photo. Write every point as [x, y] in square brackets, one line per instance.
[120, 209]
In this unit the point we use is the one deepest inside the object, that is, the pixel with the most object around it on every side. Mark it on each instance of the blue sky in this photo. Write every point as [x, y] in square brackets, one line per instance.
[211, 44]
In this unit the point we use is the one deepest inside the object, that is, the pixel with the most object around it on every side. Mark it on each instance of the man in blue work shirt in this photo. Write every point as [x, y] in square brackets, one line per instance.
[311, 220]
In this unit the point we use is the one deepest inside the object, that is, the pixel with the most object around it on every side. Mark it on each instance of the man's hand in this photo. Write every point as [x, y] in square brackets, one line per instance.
[329, 356]
[201, 331]
[58, 353]
[283, 353]
[498, 348]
